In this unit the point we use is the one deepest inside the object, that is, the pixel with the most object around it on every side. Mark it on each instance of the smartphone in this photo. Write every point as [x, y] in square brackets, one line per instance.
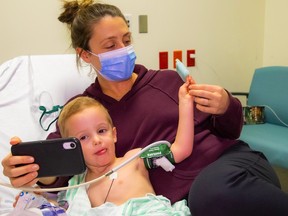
[55, 157]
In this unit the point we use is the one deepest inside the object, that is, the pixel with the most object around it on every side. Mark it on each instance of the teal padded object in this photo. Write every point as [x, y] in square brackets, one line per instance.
[269, 88]
[270, 139]
[181, 70]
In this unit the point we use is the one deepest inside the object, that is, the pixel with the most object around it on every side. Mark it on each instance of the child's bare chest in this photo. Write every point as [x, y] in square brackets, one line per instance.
[126, 184]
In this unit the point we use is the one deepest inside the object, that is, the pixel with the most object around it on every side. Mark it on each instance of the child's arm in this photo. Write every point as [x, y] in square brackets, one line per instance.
[183, 145]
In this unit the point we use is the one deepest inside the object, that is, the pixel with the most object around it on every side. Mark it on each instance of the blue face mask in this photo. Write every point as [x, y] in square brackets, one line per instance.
[117, 65]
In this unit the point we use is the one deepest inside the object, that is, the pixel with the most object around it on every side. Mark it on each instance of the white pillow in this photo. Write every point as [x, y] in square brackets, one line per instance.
[27, 82]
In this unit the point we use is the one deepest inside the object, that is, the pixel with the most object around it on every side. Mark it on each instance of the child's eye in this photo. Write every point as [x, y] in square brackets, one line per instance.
[83, 138]
[102, 131]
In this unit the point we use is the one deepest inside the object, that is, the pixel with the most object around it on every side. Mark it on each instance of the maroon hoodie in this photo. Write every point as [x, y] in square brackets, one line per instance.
[149, 113]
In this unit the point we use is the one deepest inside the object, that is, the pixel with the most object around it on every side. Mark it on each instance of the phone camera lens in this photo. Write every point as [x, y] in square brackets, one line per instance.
[69, 145]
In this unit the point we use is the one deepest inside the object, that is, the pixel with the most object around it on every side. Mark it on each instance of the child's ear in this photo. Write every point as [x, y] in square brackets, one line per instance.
[115, 134]
[84, 55]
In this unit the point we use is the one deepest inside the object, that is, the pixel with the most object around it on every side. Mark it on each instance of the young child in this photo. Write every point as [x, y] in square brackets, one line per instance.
[129, 192]
[89, 121]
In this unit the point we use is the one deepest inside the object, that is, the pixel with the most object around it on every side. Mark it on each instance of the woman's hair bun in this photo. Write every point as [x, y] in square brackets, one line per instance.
[71, 8]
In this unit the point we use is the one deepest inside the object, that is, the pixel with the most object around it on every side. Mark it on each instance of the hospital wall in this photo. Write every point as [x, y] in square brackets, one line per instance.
[276, 33]
[231, 37]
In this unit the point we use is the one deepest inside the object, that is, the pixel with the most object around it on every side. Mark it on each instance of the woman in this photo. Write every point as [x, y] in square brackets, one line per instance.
[223, 176]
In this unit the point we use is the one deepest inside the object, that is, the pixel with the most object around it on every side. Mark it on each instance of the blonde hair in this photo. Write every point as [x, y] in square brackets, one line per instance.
[75, 106]
[81, 17]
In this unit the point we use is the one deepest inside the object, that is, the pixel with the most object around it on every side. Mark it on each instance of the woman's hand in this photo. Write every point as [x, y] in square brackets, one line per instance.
[210, 98]
[20, 175]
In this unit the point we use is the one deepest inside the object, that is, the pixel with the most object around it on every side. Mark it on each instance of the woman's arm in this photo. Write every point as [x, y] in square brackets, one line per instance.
[225, 110]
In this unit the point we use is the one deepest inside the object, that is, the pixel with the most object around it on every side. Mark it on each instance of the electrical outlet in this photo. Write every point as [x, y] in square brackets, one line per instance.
[143, 24]
[128, 18]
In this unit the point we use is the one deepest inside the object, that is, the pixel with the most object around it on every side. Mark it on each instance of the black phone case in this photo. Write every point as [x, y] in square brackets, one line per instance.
[56, 157]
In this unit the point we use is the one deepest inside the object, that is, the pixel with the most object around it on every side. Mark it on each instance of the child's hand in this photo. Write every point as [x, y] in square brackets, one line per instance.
[184, 89]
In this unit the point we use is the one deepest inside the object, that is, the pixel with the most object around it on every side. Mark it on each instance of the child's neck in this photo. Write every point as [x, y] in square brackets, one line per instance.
[95, 172]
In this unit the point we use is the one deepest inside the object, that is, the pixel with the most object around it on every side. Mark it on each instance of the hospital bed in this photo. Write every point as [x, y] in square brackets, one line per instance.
[26, 83]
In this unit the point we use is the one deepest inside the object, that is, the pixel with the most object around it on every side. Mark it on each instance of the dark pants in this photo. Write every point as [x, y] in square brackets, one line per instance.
[240, 183]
